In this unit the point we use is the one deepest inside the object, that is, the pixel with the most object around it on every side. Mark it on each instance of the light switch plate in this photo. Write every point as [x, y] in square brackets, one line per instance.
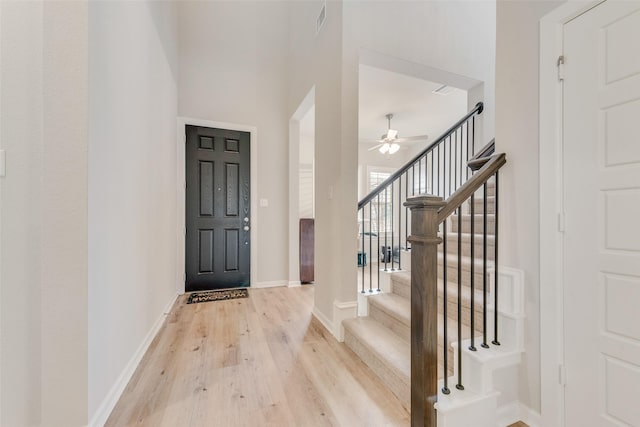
[264, 203]
[3, 163]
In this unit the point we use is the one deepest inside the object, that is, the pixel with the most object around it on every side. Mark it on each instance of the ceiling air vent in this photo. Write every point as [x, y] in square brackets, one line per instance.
[321, 17]
[444, 90]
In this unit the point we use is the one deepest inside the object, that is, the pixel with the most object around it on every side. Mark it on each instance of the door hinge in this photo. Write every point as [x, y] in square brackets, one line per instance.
[561, 222]
[562, 375]
[560, 65]
[184, 277]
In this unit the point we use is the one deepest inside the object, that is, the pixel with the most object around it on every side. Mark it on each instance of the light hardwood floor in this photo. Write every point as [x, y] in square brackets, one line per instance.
[260, 361]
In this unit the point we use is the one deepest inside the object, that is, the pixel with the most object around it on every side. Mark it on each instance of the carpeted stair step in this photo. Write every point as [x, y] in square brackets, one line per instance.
[478, 227]
[478, 202]
[452, 269]
[384, 352]
[465, 238]
[393, 312]
[401, 283]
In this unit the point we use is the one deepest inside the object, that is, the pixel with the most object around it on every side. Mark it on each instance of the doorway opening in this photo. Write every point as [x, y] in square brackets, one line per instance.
[302, 192]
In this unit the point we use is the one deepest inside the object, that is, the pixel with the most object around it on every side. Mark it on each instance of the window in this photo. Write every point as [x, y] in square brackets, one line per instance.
[380, 208]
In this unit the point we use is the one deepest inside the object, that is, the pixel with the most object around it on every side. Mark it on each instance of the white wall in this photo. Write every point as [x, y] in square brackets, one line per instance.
[44, 213]
[21, 136]
[232, 58]
[517, 78]
[132, 184]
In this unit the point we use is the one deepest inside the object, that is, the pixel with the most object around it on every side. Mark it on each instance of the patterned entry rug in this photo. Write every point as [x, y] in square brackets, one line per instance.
[207, 296]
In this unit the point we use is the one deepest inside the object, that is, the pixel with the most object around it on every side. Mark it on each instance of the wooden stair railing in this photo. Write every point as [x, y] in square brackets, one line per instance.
[429, 214]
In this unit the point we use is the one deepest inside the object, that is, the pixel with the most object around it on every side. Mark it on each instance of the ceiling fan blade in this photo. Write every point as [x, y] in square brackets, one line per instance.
[376, 147]
[370, 141]
[412, 138]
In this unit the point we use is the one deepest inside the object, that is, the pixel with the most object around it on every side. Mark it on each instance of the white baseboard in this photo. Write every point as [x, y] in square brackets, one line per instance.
[294, 283]
[341, 311]
[529, 416]
[271, 284]
[328, 324]
[516, 411]
[104, 410]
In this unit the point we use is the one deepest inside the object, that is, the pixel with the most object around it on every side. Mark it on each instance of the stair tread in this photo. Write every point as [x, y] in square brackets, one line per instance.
[394, 305]
[384, 343]
[452, 259]
[403, 277]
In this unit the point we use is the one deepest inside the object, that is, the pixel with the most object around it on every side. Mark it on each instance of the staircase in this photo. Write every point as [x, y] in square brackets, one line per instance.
[474, 384]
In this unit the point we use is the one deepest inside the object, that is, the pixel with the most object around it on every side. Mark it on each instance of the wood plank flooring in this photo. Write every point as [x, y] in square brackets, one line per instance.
[260, 361]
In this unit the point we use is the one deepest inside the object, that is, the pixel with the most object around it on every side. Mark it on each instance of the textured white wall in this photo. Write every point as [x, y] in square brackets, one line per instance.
[44, 213]
[517, 81]
[132, 181]
[21, 137]
[233, 70]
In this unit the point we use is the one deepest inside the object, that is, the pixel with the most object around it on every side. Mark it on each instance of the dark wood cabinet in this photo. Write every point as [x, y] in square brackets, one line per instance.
[306, 249]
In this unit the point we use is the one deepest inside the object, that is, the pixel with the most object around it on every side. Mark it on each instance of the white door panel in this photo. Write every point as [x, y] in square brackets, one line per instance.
[602, 205]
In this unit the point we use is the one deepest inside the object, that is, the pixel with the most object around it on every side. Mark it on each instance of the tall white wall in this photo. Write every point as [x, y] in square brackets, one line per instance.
[132, 182]
[233, 70]
[44, 213]
[517, 83]
[21, 137]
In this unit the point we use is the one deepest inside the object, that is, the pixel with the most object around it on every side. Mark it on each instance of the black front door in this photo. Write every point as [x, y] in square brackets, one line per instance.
[218, 210]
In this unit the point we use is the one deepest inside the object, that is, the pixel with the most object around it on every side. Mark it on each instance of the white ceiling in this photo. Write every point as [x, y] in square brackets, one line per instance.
[416, 109]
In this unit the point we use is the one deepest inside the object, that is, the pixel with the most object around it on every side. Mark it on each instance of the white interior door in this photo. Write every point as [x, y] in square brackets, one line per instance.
[602, 206]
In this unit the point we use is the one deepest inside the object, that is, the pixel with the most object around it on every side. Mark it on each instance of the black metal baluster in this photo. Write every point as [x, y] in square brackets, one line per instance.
[445, 389]
[399, 222]
[495, 267]
[449, 194]
[406, 212]
[378, 245]
[459, 386]
[461, 145]
[362, 256]
[393, 227]
[437, 193]
[385, 228]
[432, 181]
[468, 146]
[484, 268]
[370, 248]
[420, 176]
[413, 180]
[472, 347]
[473, 134]
[455, 160]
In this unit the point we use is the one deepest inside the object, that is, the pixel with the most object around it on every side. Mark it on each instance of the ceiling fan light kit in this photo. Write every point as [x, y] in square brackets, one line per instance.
[389, 141]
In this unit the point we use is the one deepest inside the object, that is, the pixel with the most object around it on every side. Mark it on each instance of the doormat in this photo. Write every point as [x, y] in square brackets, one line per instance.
[207, 296]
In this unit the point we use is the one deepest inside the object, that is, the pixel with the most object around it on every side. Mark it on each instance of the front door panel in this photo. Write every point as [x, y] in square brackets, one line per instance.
[218, 210]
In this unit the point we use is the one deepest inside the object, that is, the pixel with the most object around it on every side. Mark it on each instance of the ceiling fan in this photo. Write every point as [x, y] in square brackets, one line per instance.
[389, 142]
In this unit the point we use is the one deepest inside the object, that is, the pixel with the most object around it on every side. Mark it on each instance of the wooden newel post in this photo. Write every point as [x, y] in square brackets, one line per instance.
[424, 308]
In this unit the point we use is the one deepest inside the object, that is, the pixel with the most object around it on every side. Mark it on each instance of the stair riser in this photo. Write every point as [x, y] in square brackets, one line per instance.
[452, 247]
[479, 206]
[398, 327]
[479, 226]
[401, 288]
[398, 384]
[452, 276]
[452, 312]
[452, 307]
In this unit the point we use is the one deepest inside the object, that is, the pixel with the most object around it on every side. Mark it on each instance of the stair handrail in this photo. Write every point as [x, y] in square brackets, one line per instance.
[380, 188]
[473, 184]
